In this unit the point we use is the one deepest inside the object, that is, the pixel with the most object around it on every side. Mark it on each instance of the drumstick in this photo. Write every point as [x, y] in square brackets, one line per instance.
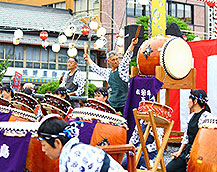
[137, 32]
[85, 47]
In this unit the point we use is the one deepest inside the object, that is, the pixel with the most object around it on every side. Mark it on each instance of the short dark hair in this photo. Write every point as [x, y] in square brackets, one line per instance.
[8, 88]
[53, 126]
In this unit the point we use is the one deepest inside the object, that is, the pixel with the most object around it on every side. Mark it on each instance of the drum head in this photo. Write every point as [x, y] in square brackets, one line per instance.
[176, 58]
[51, 108]
[22, 106]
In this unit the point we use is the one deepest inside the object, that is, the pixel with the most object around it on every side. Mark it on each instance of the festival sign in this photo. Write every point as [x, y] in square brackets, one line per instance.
[17, 81]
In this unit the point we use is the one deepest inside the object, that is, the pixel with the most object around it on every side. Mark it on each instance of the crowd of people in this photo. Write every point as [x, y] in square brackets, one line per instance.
[60, 140]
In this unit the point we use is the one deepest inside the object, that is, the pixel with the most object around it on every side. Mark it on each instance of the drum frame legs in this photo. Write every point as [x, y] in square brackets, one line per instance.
[152, 124]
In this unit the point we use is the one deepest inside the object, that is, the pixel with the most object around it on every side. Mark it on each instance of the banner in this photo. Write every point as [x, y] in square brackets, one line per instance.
[13, 151]
[17, 81]
[158, 17]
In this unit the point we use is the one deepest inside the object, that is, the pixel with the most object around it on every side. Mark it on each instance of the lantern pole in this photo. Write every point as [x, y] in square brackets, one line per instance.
[87, 65]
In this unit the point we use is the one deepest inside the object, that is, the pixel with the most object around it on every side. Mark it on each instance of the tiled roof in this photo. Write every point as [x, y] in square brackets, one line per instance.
[28, 17]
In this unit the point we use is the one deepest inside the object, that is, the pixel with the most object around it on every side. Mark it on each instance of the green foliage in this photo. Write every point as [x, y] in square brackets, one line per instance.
[182, 25]
[3, 67]
[133, 62]
[91, 88]
[51, 86]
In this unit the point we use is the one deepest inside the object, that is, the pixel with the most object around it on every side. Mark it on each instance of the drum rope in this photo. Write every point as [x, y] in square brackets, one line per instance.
[164, 77]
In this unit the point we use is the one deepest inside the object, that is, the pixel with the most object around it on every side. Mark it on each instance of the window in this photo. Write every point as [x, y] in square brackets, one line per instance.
[136, 9]
[61, 5]
[181, 11]
[86, 5]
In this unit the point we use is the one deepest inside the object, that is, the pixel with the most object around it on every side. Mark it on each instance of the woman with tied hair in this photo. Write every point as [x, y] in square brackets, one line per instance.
[60, 140]
[197, 104]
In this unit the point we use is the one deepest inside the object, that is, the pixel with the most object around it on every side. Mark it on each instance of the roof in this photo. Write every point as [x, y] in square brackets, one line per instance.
[28, 17]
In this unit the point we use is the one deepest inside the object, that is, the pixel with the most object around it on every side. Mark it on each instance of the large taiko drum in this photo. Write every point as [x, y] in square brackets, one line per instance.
[55, 104]
[36, 160]
[99, 105]
[172, 53]
[24, 102]
[203, 153]
[99, 126]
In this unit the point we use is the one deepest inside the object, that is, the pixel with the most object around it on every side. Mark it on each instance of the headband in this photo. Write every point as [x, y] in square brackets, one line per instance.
[203, 100]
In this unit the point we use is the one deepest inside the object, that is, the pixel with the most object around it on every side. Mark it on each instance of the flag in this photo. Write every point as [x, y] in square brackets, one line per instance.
[17, 81]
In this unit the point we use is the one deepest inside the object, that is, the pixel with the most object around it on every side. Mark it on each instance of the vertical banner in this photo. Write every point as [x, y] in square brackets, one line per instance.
[158, 17]
[17, 81]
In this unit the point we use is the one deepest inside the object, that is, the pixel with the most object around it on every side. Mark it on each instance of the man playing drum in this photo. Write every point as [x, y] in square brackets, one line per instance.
[117, 76]
[73, 80]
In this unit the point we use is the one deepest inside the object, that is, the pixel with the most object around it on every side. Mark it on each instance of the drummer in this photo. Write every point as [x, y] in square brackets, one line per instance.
[198, 105]
[117, 76]
[62, 142]
[101, 94]
[62, 93]
[7, 92]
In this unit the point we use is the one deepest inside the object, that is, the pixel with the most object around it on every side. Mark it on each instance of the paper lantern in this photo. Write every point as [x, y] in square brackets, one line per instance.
[62, 39]
[71, 45]
[210, 3]
[18, 34]
[99, 43]
[85, 30]
[43, 35]
[16, 41]
[56, 48]
[121, 33]
[72, 52]
[101, 32]
[93, 25]
[44, 44]
[120, 41]
[68, 32]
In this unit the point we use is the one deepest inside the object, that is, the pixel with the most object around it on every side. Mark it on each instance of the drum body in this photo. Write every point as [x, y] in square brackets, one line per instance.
[99, 126]
[24, 102]
[4, 102]
[55, 104]
[99, 105]
[172, 53]
[203, 152]
[157, 109]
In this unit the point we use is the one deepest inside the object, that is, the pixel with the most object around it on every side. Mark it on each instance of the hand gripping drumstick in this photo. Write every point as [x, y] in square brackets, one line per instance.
[85, 47]
[137, 32]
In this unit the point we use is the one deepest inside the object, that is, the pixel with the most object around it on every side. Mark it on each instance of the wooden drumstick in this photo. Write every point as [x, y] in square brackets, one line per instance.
[137, 32]
[85, 47]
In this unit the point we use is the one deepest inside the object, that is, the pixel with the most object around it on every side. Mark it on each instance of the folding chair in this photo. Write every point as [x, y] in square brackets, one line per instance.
[152, 123]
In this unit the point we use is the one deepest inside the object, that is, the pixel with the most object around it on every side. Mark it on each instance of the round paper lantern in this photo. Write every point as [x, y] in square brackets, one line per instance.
[120, 41]
[99, 43]
[93, 25]
[210, 3]
[101, 32]
[62, 39]
[18, 34]
[56, 48]
[104, 40]
[16, 41]
[85, 30]
[43, 35]
[73, 28]
[72, 52]
[44, 44]
[121, 33]
[68, 32]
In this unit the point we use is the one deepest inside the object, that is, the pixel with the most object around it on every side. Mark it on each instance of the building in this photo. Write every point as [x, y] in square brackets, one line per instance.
[29, 58]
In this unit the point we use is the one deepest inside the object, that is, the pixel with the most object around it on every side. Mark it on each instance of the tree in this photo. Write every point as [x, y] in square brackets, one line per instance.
[3, 67]
[182, 25]
[51, 86]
